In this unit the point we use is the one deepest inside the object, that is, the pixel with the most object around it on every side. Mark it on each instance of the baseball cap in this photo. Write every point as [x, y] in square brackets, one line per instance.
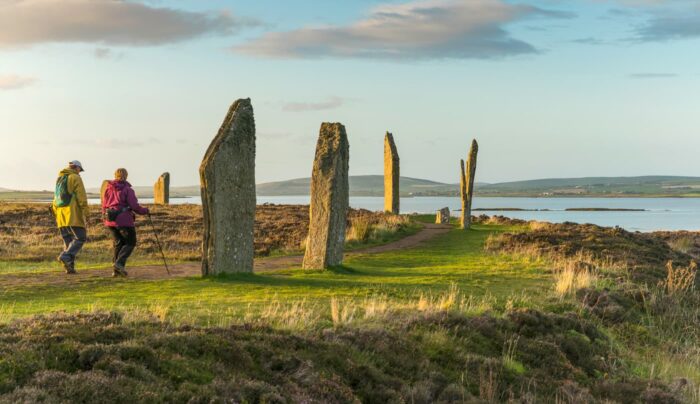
[76, 163]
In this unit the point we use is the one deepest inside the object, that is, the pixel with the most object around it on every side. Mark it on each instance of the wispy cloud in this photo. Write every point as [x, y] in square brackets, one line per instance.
[105, 53]
[652, 75]
[643, 2]
[330, 103]
[664, 27]
[15, 82]
[99, 142]
[108, 142]
[589, 41]
[426, 29]
[112, 22]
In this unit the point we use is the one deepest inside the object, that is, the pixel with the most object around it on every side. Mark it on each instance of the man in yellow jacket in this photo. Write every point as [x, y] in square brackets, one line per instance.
[70, 206]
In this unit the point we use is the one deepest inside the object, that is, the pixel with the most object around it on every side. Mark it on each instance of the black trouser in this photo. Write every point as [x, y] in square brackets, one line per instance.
[124, 243]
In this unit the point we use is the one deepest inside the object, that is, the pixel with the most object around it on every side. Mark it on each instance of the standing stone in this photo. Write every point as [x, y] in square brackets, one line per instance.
[161, 190]
[467, 184]
[462, 190]
[227, 177]
[330, 197]
[103, 188]
[391, 175]
[443, 216]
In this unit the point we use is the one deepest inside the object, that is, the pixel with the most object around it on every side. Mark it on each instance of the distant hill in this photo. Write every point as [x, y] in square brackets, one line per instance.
[9, 196]
[597, 186]
[360, 185]
[175, 192]
[373, 185]
[645, 186]
[146, 191]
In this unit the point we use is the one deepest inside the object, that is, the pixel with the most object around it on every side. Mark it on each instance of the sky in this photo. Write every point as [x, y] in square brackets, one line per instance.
[549, 88]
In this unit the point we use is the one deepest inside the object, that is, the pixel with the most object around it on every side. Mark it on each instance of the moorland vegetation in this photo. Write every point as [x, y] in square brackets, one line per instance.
[507, 311]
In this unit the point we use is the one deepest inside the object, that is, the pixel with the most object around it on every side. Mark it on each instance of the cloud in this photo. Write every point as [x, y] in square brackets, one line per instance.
[330, 103]
[14, 82]
[112, 22]
[425, 29]
[685, 25]
[117, 143]
[652, 75]
[102, 53]
[644, 3]
[106, 142]
[589, 41]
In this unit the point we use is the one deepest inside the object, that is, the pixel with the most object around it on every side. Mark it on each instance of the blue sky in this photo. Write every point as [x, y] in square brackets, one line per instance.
[549, 88]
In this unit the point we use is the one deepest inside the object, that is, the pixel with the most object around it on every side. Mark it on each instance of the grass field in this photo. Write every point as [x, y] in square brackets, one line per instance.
[401, 276]
[487, 315]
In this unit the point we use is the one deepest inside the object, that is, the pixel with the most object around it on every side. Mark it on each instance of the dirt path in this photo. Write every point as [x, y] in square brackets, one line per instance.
[157, 272]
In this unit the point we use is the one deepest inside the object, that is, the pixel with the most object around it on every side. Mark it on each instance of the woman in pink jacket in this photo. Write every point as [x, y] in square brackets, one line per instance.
[119, 205]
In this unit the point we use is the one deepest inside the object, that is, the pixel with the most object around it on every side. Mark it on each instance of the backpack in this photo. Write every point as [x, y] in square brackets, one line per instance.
[61, 196]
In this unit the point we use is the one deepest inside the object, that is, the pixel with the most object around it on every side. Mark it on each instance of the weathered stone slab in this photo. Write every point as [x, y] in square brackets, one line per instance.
[103, 188]
[227, 177]
[161, 190]
[462, 190]
[330, 198]
[443, 216]
[468, 174]
[391, 175]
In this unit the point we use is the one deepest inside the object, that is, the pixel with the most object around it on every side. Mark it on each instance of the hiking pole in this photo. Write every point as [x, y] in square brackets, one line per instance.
[155, 233]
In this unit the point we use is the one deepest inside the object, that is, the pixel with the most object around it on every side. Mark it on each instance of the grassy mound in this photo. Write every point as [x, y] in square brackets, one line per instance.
[420, 358]
[641, 287]
[643, 255]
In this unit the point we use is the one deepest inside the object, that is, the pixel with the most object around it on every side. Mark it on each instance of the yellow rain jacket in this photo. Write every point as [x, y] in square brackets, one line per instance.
[74, 214]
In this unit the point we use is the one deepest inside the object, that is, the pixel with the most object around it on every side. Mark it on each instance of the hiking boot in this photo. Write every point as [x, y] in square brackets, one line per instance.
[119, 270]
[67, 266]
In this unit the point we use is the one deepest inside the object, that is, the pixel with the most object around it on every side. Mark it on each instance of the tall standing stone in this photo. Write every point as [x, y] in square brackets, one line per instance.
[161, 190]
[227, 177]
[462, 190]
[468, 174]
[103, 188]
[391, 175]
[330, 198]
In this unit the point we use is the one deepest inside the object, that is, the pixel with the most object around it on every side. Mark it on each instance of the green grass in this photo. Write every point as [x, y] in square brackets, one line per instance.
[448, 299]
[454, 260]
[25, 267]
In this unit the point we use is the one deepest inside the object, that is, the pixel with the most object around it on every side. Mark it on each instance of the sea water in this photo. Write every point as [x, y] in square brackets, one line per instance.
[656, 214]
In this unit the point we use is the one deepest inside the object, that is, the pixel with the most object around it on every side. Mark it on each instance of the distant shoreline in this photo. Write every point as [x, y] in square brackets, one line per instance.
[30, 196]
[558, 210]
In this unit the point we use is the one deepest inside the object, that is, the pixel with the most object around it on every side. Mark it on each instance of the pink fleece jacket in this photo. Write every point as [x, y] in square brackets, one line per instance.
[119, 195]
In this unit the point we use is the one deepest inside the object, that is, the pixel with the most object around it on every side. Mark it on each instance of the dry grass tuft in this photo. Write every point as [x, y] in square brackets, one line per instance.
[360, 230]
[570, 280]
[342, 312]
[297, 315]
[536, 225]
[378, 226]
[679, 280]
[682, 244]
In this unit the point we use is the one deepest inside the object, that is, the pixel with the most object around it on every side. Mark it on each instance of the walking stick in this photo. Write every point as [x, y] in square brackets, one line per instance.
[155, 233]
